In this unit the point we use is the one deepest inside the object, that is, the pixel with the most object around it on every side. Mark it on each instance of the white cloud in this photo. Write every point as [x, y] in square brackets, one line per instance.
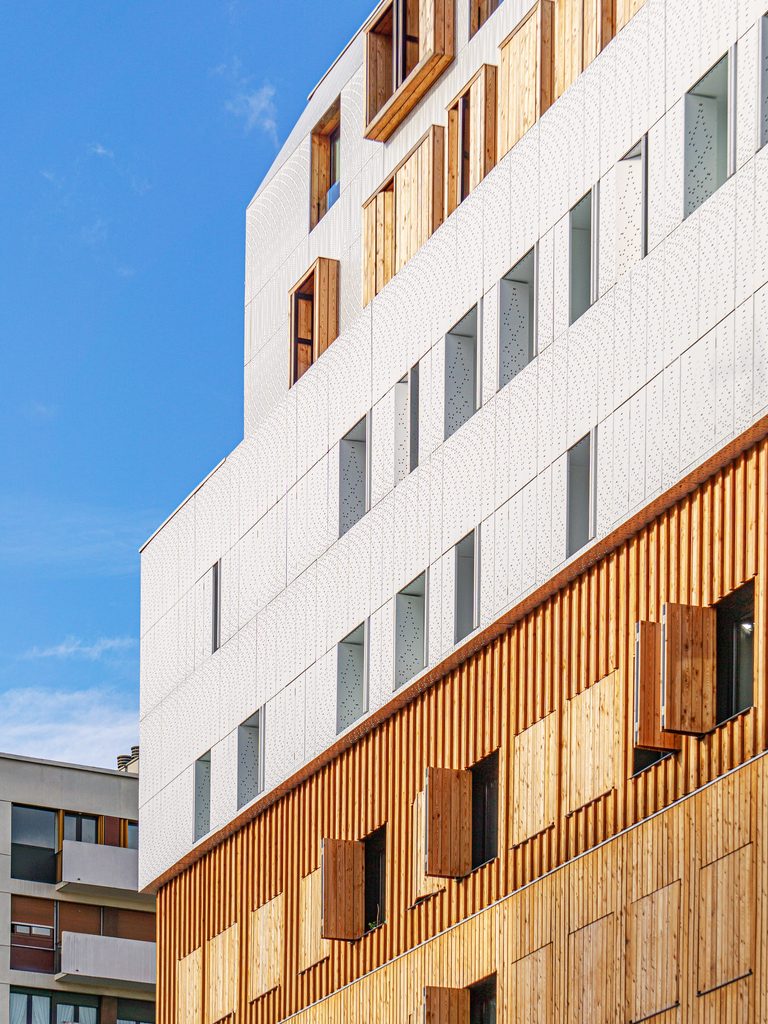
[98, 150]
[88, 726]
[256, 109]
[74, 647]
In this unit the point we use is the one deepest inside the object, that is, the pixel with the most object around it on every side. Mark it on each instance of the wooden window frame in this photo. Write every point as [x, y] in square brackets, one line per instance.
[324, 278]
[322, 161]
[513, 119]
[479, 12]
[471, 147]
[689, 662]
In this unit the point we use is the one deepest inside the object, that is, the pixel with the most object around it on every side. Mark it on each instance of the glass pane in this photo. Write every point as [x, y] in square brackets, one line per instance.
[133, 835]
[18, 1008]
[89, 830]
[33, 826]
[41, 1010]
[744, 662]
[65, 1014]
[70, 826]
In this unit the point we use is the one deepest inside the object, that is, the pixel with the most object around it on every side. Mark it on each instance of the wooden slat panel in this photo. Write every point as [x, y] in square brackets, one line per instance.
[592, 973]
[369, 251]
[343, 867]
[423, 884]
[534, 779]
[591, 753]
[689, 669]
[266, 952]
[726, 920]
[446, 1005]
[653, 955]
[626, 9]
[313, 947]
[326, 325]
[530, 988]
[648, 732]
[222, 959]
[189, 988]
[449, 822]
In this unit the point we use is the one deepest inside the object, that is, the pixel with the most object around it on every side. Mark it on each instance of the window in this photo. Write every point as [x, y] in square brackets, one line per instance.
[407, 424]
[707, 142]
[735, 651]
[482, 1002]
[410, 630]
[32, 941]
[37, 1007]
[202, 795]
[479, 12]
[764, 80]
[413, 417]
[517, 318]
[632, 207]
[351, 677]
[461, 377]
[485, 810]
[314, 315]
[471, 135]
[580, 499]
[29, 1007]
[642, 758]
[250, 759]
[353, 476]
[81, 828]
[75, 1009]
[582, 257]
[465, 616]
[132, 835]
[375, 878]
[135, 1011]
[326, 150]
[215, 607]
[33, 844]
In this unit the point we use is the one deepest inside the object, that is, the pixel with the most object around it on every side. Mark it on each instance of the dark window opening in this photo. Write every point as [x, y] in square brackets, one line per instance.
[375, 878]
[216, 607]
[485, 810]
[33, 844]
[482, 1002]
[466, 144]
[135, 1011]
[81, 828]
[735, 652]
[413, 418]
[642, 758]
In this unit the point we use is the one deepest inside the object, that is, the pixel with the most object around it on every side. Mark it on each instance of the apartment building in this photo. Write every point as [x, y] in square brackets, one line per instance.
[78, 939]
[453, 694]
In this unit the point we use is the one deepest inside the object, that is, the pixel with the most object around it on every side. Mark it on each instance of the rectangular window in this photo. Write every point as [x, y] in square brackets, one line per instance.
[465, 615]
[461, 376]
[413, 417]
[29, 1007]
[517, 318]
[32, 934]
[632, 207]
[81, 828]
[75, 1009]
[351, 677]
[583, 278]
[764, 80]
[314, 315]
[580, 496]
[325, 176]
[407, 424]
[482, 1002]
[250, 758]
[135, 1011]
[707, 143]
[479, 12]
[132, 835]
[202, 795]
[735, 652]
[410, 630]
[642, 758]
[471, 135]
[353, 476]
[375, 878]
[485, 810]
[33, 844]
[215, 607]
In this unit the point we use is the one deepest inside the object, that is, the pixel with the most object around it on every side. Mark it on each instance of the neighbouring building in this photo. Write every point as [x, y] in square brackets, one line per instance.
[78, 939]
[453, 687]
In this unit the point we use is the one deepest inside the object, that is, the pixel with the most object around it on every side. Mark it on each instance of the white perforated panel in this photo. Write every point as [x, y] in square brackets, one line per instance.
[516, 318]
[461, 373]
[202, 795]
[410, 630]
[764, 81]
[350, 686]
[629, 212]
[250, 766]
[352, 477]
[706, 137]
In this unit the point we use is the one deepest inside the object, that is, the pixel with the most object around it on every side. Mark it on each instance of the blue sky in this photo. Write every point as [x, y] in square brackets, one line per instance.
[134, 134]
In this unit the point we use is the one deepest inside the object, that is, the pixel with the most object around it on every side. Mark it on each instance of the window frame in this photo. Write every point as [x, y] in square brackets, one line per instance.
[79, 817]
[365, 695]
[254, 722]
[570, 550]
[533, 341]
[402, 593]
[472, 537]
[739, 597]
[485, 772]
[216, 606]
[325, 157]
[730, 58]
[375, 854]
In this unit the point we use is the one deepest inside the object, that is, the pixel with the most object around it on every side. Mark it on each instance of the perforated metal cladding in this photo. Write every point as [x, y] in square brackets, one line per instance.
[764, 80]
[629, 213]
[249, 760]
[701, 145]
[515, 328]
[402, 430]
[352, 480]
[350, 680]
[460, 374]
[202, 795]
[409, 636]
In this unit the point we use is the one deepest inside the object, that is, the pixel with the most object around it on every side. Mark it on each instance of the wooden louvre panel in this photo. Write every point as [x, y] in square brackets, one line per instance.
[449, 822]
[689, 669]
[32, 910]
[343, 867]
[221, 963]
[592, 724]
[446, 1005]
[530, 988]
[525, 75]
[592, 973]
[313, 948]
[423, 884]
[478, 102]
[653, 955]
[189, 988]
[625, 10]
[534, 779]
[647, 706]
[726, 920]
[581, 29]
[266, 955]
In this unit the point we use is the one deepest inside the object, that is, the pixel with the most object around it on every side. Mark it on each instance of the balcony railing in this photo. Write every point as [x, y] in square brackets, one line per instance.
[93, 867]
[95, 959]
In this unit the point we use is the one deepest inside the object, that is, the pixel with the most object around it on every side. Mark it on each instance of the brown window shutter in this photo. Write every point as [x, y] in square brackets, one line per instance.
[689, 669]
[449, 822]
[648, 732]
[79, 917]
[111, 831]
[343, 865]
[423, 884]
[446, 1005]
[31, 910]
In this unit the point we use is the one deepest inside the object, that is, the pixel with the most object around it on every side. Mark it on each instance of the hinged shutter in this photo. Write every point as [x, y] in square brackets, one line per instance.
[446, 1005]
[648, 733]
[689, 669]
[266, 953]
[313, 948]
[221, 975]
[449, 822]
[189, 987]
[343, 867]
[423, 884]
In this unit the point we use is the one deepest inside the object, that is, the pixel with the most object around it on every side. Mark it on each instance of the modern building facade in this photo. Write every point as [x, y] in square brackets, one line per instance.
[78, 939]
[453, 672]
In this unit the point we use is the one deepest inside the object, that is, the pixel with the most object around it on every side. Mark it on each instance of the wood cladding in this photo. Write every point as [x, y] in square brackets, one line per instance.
[591, 723]
[446, 1005]
[626, 9]
[581, 29]
[471, 136]
[222, 964]
[313, 947]
[343, 868]
[535, 770]
[525, 75]
[653, 977]
[448, 812]
[689, 669]
[423, 884]
[266, 947]
[189, 988]
[701, 548]
[648, 653]
[320, 177]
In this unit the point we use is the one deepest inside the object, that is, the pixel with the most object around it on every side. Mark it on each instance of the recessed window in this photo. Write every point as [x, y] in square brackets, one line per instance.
[29, 1007]
[351, 677]
[465, 614]
[479, 12]
[582, 257]
[375, 878]
[326, 170]
[413, 418]
[471, 136]
[764, 80]
[132, 835]
[517, 318]
[33, 844]
[135, 1011]
[215, 607]
[485, 810]
[202, 795]
[735, 652]
[631, 208]
[461, 377]
[32, 934]
[642, 758]
[580, 497]
[81, 828]
[353, 476]
[707, 136]
[407, 424]
[314, 315]
[250, 758]
[482, 1002]
[410, 630]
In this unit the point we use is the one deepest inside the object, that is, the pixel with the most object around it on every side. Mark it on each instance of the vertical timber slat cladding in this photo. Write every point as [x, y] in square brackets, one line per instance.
[525, 75]
[546, 661]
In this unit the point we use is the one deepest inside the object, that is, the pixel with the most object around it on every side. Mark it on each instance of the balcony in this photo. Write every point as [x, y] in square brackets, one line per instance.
[102, 959]
[95, 869]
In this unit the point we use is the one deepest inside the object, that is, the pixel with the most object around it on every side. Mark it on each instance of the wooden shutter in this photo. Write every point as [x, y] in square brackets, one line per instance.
[446, 1005]
[266, 953]
[626, 9]
[418, 195]
[79, 917]
[449, 822]
[313, 948]
[581, 29]
[726, 920]
[111, 831]
[480, 91]
[689, 669]
[534, 779]
[530, 988]
[326, 325]
[221, 961]
[653, 961]
[592, 730]
[129, 924]
[343, 867]
[647, 711]
[592, 970]
[189, 988]
[423, 884]
[525, 75]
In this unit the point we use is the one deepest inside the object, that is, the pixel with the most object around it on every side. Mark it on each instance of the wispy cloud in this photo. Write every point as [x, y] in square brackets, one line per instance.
[95, 234]
[74, 647]
[253, 105]
[36, 410]
[98, 150]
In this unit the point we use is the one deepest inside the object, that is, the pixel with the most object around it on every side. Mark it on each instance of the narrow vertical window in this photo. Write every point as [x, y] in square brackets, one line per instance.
[465, 616]
[517, 318]
[485, 810]
[314, 315]
[479, 12]
[250, 758]
[216, 607]
[461, 377]
[375, 878]
[413, 417]
[632, 208]
[764, 80]
[351, 677]
[707, 142]
[482, 1002]
[353, 476]
[410, 630]
[326, 171]
[202, 795]
[735, 652]
[580, 498]
[582, 257]
[471, 146]
[407, 424]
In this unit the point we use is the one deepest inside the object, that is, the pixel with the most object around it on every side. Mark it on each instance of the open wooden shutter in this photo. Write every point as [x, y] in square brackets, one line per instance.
[326, 325]
[525, 75]
[446, 1005]
[423, 884]
[449, 822]
[478, 100]
[343, 867]
[648, 732]
[689, 669]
